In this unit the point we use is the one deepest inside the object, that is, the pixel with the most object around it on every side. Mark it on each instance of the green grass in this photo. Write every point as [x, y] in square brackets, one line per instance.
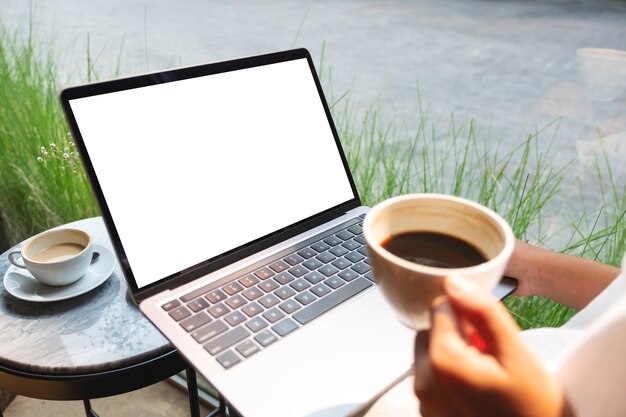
[442, 155]
[35, 195]
[452, 157]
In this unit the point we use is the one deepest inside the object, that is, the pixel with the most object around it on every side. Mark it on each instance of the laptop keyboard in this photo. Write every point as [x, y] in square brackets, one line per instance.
[243, 313]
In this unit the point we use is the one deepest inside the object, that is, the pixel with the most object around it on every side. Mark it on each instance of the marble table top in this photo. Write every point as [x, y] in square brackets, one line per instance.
[97, 331]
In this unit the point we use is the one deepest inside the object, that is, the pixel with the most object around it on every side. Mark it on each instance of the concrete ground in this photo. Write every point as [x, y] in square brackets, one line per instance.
[158, 400]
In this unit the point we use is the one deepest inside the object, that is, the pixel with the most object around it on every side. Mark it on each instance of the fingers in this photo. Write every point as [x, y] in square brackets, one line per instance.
[446, 331]
[455, 377]
[446, 365]
[448, 346]
[421, 365]
[432, 396]
[493, 324]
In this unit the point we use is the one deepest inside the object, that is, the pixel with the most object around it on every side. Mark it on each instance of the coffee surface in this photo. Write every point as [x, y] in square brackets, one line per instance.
[434, 249]
[58, 252]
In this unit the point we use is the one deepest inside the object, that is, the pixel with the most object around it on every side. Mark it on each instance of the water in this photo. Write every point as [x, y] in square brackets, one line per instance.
[510, 65]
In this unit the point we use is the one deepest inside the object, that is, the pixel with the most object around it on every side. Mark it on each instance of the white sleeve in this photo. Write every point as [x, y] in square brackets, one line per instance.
[593, 374]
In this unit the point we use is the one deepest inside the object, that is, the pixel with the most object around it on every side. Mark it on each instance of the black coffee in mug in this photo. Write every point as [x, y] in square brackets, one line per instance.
[434, 249]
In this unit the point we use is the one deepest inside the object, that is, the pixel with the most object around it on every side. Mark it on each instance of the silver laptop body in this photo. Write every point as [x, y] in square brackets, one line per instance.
[204, 172]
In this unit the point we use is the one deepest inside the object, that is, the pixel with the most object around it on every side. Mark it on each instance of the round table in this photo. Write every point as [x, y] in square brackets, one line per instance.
[94, 345]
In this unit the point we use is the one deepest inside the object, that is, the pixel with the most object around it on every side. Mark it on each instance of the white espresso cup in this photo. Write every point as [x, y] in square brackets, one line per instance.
[410, 287]
[55, 257]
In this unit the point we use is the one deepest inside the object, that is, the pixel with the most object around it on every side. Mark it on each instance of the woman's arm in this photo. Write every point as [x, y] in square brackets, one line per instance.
[567, 279]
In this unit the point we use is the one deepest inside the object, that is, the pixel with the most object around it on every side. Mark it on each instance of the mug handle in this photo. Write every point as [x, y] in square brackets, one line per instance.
[14, 261]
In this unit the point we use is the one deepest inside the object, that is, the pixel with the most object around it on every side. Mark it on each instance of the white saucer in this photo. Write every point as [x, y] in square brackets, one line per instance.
[21, 284]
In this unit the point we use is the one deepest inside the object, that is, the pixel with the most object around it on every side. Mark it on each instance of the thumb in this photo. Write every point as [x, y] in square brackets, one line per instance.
[493, 324]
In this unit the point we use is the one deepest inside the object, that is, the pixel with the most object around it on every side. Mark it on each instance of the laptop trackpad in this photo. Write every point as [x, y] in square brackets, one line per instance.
[340, 361]
[366, 338]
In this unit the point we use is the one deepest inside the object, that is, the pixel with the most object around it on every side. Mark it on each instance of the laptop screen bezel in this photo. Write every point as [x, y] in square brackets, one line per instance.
[236, 254]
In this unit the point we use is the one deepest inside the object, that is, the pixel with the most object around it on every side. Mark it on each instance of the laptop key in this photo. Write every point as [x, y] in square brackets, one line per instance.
[300, 285]
[269, 285]
[334, 282]
[348, 275]
[218, 310]
[198, 304]
[285, 327]
[328, 270]
[264, 273]
[279, 266]
[361, 267]
[354, 256]
[326, 257]
[180, 313]
[332, 300]
[194, 322]
[226, 340]
[284, 278]
[320, 290]
[356, 229]
[170, 305]
[252, 309]
[298, 271]
[332, 240]
[338, 251]
[273, 315]
[234, 318]
[252, 293]
[248, 280]
[341, 263]
[305, 298]
[314, 277]
[360, 239]
[265, 338]
[284, 292]
[269, 300]
[290, 306]
[351, 244]
[215, 296]
[228, 359]
[312, 264]
[307, 253]
[247, 348]
[293, 259]
[320, 246]
[363, 251]
[209, 332]
[370, 276]
[345, 235]
[236, 301]
[232, 288]
[256, 324]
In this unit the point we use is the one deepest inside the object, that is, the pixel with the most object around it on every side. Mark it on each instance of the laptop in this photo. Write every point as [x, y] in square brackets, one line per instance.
[237, 225]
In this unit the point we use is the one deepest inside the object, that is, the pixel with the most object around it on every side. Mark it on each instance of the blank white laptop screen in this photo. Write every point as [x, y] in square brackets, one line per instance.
[194, 168]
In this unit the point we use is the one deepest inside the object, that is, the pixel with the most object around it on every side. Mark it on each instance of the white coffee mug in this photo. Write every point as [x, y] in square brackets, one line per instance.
[411, 287]
[55, 257]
